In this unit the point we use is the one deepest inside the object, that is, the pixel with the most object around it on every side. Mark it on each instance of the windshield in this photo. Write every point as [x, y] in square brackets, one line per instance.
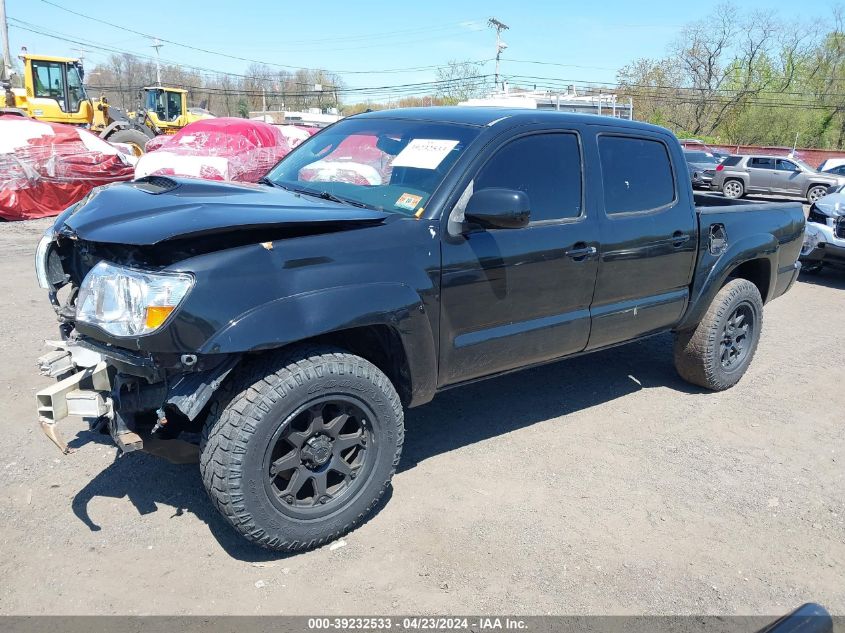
[803, 165]
[386, 164]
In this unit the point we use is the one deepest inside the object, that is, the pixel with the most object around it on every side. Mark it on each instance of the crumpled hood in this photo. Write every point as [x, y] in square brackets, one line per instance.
[832, 205]
[156, 209]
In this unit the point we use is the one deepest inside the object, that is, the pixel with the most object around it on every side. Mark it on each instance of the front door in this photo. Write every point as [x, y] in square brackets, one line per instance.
[788, 178]
[648, 238]
[513, 297]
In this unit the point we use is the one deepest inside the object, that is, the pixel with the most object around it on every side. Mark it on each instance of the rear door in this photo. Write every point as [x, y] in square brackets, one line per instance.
[648, 237]
[513, 297]
[761, 173]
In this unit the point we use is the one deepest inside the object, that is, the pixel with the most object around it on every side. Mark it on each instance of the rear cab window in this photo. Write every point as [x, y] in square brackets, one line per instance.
[637, 174]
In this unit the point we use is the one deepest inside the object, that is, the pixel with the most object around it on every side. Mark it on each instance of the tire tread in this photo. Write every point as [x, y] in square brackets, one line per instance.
[236, 411]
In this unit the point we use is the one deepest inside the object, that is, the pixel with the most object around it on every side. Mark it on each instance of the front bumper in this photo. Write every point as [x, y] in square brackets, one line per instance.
[110, 387]
[829, 247]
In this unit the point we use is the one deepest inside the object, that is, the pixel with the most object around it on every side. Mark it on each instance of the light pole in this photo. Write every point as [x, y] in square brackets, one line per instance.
[6, 62]
[157, 45]
[493, 23]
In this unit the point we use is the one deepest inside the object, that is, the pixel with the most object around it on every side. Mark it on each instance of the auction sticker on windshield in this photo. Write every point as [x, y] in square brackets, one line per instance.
[408, 201]
[424, 153]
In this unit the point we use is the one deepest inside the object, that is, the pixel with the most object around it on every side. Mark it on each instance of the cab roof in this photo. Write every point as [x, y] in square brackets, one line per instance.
[482, 116]
[50, 58]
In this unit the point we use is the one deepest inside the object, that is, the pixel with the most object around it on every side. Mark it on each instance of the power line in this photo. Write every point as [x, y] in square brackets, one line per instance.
[256, 61]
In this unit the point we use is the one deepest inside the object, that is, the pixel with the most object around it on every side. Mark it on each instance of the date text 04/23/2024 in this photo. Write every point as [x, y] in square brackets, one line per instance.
[428, 623]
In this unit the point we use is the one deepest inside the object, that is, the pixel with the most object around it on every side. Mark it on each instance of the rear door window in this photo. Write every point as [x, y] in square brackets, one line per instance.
[762, 163]
[636, 173]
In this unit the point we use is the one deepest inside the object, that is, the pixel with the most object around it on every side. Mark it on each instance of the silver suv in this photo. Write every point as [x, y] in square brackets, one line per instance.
[739, 175]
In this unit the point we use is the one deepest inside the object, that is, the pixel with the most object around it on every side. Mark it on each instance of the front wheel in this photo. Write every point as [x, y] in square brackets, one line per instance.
[733, 189]
[299, 447]
[815, 193]
[716, 353]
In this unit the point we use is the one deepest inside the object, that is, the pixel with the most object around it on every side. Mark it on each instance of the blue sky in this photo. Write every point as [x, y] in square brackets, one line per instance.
[589, 39]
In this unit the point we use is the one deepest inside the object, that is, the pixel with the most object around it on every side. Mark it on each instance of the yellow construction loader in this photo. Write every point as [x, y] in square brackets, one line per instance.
[53, 91]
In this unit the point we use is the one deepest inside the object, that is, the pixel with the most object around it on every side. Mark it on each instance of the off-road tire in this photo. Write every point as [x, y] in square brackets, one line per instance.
[135, 138]
[733, 189]
[254, 404]
[697, 351]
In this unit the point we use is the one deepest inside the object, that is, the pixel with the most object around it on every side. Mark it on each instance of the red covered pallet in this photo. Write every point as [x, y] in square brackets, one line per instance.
[46, 167]
[218, 149]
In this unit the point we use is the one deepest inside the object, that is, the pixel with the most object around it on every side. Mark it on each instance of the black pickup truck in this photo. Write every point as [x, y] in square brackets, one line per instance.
[391, 256]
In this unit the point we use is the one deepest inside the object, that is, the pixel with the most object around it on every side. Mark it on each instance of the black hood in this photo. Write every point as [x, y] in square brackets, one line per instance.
[156, 209]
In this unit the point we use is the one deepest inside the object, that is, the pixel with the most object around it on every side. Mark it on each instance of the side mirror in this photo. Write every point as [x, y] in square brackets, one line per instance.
[498, 209]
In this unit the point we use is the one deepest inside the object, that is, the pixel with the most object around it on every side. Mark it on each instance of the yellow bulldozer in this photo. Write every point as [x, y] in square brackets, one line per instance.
[53, 91]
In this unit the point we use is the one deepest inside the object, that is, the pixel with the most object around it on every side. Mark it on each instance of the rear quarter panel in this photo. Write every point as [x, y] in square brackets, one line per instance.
[771, 232]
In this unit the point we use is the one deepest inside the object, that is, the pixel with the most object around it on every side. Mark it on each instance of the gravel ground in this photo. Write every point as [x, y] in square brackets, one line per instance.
[603, 484]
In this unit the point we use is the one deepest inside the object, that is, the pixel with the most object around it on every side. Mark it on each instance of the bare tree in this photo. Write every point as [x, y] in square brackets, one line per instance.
[459, 81]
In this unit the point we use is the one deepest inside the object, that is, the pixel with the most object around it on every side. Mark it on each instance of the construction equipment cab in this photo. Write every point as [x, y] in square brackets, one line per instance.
[52, 91]
[167, 108]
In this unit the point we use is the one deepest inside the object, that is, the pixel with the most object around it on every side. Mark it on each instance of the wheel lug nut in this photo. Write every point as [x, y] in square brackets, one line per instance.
[289, 498]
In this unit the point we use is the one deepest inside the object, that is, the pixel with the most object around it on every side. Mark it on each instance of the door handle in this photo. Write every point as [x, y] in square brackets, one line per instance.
[581, 252]
[679, 238]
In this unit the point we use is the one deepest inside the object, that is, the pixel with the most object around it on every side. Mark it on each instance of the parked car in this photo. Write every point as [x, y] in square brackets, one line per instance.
[696, 145]
[739, 175]
[702, 167]
[293, 321]
[839, 170]
[824, 240]
[831, 163]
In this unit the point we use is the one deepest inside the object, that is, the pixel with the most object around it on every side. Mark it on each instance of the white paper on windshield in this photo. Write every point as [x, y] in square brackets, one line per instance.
[424, 153]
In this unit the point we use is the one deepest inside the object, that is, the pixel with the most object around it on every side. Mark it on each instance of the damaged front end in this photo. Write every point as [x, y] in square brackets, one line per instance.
[140, 398]
[143, 276]
[137, 402]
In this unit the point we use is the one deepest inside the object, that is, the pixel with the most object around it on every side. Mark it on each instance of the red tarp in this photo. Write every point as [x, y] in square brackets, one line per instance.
[217, 149]
[46, 167]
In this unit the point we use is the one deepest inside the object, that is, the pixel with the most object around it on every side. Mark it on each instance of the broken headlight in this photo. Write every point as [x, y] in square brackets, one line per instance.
[129, 302]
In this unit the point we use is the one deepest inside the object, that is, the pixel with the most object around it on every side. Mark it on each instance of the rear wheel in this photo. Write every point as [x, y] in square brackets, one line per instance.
[815, 193]
[719, 350]
[299, 448]
[733, 189]
[136, 139]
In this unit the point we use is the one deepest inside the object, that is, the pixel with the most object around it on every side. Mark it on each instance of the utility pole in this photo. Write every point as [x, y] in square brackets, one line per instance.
[157, 45]
[6, 65]
[493, 23]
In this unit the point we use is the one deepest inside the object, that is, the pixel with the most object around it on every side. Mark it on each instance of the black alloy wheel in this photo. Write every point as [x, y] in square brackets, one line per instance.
[318, 456]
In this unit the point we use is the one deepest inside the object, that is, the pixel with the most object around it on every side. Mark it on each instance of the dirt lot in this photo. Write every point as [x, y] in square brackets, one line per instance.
[599, 485]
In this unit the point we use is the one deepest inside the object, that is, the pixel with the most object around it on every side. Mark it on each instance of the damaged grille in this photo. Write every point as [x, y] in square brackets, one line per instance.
[839, 228]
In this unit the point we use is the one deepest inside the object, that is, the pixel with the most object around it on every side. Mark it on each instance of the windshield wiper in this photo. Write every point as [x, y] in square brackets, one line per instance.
[323, 195]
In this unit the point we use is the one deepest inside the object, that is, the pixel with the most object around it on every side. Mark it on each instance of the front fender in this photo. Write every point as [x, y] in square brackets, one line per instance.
[713, 270]
[298, 317]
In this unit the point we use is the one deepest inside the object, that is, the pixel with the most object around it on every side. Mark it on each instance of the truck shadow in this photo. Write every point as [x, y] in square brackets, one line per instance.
[831, 277]
[454, 419]
[477, 412]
